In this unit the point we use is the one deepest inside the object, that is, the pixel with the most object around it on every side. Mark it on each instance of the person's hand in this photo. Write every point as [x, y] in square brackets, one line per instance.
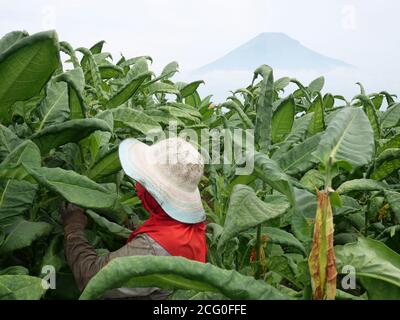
[72, 215]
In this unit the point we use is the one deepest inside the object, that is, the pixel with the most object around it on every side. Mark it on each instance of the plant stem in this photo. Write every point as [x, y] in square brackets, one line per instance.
[258, 248]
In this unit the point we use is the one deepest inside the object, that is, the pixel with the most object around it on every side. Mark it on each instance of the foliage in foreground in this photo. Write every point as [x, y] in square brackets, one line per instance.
[60, 129]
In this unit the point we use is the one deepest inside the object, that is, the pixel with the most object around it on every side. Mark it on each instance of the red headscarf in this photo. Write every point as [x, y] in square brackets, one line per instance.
[178, 238]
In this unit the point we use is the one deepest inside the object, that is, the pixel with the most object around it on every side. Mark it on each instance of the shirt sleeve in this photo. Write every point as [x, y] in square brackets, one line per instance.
[85, 263]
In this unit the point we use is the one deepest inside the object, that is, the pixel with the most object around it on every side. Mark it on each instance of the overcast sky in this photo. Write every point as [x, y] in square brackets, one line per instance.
[361, 32]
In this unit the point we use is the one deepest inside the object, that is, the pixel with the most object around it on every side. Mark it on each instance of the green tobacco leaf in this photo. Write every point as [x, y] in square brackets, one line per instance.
[282, 119]
[22, 287]
[281, 83]
[386, 163]
[234, 106]
[299, 159]
[246, 211]
[15, 197]
[68, 131]
[96, 145]
[317, 123]
[188, 89]
[54, 108]
[176, 273]
[111, 227]
[8, 141]
[127, 91]
[361, 185]
[328, 101]
[348, 139]
[298, 133]
[370, 111]
[316, 85]
[26, 153]
[169, 70]
[304, 215]
[130, 118]
[263, 125]
[76, 188]
[381, 278]
[270, 172]
[391, 117]
[69, 50]
[22, 233]
[15, 270]
[283, 238]
[92, 72]
[11, 38]
[393, 143]
[195, 295]
[194, 100]
[6, 293]
[161, 87]
[107, 165]
[25, 68]
[75, 80]
[322, 256]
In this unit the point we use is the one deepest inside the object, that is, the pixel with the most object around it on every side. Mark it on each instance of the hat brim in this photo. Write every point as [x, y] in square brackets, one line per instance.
[181, 205]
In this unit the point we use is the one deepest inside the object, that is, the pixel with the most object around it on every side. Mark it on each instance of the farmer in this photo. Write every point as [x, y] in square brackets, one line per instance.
[166, 174]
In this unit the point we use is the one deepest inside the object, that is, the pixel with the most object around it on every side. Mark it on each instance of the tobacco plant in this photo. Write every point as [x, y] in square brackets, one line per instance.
[317, 218]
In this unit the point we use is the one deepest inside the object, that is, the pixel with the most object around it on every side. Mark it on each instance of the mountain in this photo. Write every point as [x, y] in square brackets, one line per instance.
[275, 49]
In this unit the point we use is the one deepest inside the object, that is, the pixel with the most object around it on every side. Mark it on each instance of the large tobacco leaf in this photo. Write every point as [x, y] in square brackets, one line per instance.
[21, 287]
[11, 38]
[270, 172]
[300, 159]
[54, 108]
[15, 197]
[22, 233]
[111, 227]
[69, 131]
[263, 125]
[25, 67]
[105, 166]
[176, 273]
[376, 266]
[25, 154]
[127, 91]
[79, 190]
[246, 211]
[282, 119]
[348, 139]
[135, 119]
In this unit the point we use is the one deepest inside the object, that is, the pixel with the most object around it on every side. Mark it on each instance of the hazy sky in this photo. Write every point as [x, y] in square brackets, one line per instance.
[361, 32]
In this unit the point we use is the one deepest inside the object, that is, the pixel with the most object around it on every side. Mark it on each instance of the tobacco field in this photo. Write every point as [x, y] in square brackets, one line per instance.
[318, 217]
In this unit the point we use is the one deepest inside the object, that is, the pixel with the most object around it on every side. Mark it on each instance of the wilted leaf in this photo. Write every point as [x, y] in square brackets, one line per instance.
[322, 256]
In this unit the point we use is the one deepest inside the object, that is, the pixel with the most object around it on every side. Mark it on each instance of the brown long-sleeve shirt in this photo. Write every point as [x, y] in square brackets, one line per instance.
[85, 263]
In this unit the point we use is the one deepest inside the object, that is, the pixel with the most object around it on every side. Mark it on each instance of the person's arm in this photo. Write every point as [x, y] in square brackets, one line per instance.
[80, 255]
[84, 261]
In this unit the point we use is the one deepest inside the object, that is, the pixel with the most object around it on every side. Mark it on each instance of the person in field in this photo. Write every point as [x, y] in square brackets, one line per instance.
[167, 176]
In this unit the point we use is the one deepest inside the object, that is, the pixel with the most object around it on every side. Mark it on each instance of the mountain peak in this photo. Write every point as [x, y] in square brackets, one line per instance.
[276, 49]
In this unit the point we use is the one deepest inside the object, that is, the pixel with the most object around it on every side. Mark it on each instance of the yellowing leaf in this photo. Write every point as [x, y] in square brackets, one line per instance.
[322, 257]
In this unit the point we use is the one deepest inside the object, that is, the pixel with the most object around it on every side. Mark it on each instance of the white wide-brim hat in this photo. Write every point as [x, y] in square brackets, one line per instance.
[170, 170]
